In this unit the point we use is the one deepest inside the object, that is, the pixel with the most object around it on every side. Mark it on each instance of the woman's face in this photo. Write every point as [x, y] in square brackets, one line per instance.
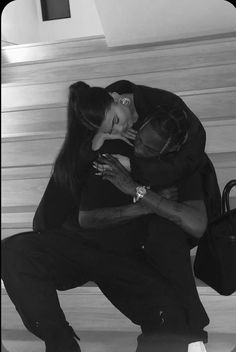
[118, 119]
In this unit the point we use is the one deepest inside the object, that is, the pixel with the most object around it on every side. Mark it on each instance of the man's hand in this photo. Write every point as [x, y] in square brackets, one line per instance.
[109, 168]
[169, 193]
[100, 138]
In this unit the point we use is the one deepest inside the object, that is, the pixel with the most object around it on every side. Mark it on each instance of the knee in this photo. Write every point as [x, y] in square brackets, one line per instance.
[165, 239]
[165, 233]
[14, 251]
[15, 244]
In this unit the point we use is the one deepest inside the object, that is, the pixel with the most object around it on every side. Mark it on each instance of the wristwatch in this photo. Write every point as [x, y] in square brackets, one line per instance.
[140, 192]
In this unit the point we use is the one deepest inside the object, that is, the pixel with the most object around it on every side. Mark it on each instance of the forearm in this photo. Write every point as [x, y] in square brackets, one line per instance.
[189, 218]
[108, 217]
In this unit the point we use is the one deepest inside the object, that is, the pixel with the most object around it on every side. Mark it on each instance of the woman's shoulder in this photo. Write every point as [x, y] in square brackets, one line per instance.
[121, 87]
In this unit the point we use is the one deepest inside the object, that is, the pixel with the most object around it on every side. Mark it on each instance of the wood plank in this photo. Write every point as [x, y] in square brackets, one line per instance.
[27, 172]
[23, 192]
[87, 308]
[17, 220]
[40, 122]
[27, 125]
[44, 151]
[125, 65]
[220, 161]
[90, 47]
[223, 160]
[35, 96]
[28, 192]
[221, 139]
[214, 103]
[30, 153]
[49, 122]
[63, 50]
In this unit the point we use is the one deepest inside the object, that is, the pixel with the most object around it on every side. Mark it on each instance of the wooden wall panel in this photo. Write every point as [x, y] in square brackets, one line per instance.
[27, 192]
[220, 139]
[30, 153]
[43, 151]
[29, 123]
[51, 122]
[29, 96]
[116, 66]
[61, 50]
[23, 193]
[198, 50]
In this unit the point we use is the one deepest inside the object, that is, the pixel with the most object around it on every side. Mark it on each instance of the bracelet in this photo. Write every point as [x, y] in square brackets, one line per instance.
[140, 193]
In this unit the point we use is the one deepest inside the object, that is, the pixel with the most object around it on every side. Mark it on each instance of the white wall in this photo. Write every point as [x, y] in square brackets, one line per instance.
[22, 22]
[140, 21]
[84, 22]
[122, 21]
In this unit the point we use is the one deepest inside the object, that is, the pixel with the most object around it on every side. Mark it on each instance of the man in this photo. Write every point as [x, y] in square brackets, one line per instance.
[168, 236]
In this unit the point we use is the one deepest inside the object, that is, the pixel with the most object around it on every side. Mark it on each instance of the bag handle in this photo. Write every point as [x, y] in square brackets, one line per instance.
[225, 196]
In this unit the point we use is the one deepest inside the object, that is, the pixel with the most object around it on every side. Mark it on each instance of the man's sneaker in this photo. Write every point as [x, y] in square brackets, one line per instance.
[197, 346]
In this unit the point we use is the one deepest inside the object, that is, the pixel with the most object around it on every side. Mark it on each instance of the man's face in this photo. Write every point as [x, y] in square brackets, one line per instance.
[118, 119]
[148, 142]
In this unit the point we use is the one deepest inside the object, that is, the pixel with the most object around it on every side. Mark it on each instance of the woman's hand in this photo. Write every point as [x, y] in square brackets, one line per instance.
[109, 168]
[100, 137]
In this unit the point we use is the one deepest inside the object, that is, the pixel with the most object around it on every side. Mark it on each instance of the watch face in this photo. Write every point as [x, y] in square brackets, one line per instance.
[141, 191]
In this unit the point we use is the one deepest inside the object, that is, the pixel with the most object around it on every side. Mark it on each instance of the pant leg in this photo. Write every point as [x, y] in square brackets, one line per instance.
[169, 336]
[33, 264]
[31, 273]
[167, 249]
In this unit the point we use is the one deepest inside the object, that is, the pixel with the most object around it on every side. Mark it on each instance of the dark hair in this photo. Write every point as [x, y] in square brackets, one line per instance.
[172, 124]
[90, 104]
[85, 112]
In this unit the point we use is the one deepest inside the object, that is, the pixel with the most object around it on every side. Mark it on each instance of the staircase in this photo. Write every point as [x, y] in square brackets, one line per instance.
[35, 81]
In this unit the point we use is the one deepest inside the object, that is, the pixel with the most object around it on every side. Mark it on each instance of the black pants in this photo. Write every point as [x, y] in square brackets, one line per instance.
[36, 264]
[167, 248]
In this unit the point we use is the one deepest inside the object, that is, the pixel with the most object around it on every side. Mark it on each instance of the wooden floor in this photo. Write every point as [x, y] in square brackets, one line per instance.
[103, 329]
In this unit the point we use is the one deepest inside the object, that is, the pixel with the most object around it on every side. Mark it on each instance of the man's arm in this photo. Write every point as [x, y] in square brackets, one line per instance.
[108, 217]
[190, 215]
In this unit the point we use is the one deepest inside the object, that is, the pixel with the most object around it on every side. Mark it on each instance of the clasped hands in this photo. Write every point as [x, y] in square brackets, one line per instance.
[116, 169]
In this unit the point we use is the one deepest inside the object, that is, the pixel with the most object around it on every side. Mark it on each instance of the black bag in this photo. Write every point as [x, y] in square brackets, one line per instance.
[215, 261]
